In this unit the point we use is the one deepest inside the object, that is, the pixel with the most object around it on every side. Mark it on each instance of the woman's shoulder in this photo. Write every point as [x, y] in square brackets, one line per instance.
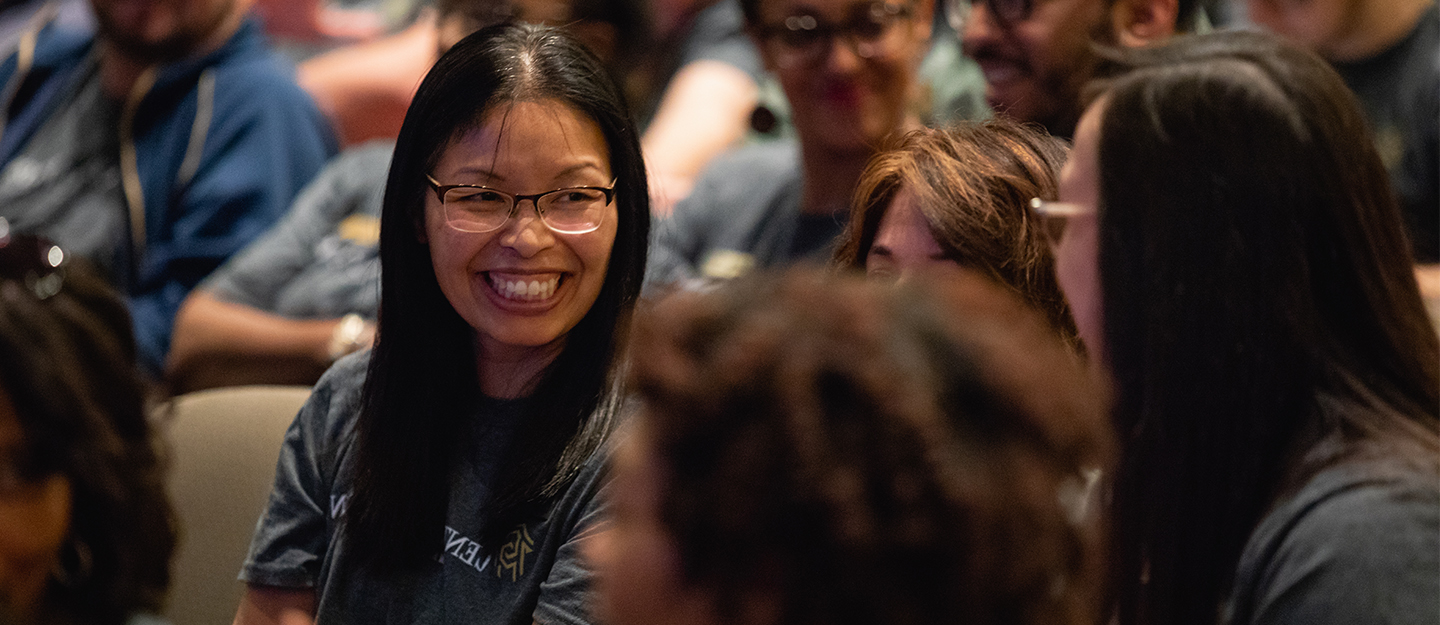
[335, 401]
[1359, 542]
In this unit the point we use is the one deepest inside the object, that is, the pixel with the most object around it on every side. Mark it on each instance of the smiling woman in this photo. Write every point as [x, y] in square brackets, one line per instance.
[450, 474]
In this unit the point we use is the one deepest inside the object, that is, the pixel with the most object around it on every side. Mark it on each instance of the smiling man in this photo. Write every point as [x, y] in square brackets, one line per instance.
[155, 147]
[1037, 54]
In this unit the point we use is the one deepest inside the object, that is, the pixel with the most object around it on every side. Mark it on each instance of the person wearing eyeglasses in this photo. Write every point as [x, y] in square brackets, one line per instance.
[86, 528]
[848, 69]
[450, 474]
[1037, 54]
[1236, 261]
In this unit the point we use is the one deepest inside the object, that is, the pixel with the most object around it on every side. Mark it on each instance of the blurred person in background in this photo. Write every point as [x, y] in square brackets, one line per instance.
[365, 88]
[86, 530]
[820, 449]
[155, 146]
[950, 201]
[1036, 55]
[1388, 52]
[849, 72]
[1235, 259]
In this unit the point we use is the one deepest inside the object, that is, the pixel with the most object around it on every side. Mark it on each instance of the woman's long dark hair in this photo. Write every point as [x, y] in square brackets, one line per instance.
[1253, 269]
[422, 378]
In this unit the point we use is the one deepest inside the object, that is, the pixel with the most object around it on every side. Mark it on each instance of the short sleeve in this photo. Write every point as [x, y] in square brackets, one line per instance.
[292, 536]
[1366, 554]
[565, 593]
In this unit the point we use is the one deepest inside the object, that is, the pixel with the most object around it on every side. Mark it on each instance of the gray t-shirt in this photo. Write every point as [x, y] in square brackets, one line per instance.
[743, 214]
[537, 573]
[322, 260]
[1358, 544]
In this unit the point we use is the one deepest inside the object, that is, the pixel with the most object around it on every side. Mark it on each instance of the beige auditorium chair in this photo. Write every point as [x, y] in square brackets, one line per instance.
[224, 443]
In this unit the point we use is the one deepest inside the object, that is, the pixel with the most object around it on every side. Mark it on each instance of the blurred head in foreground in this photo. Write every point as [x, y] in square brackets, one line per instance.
[85, 526]
[825, 449]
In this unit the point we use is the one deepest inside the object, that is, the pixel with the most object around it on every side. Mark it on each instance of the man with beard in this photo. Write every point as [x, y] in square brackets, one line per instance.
[156, 146]
[1037, 54]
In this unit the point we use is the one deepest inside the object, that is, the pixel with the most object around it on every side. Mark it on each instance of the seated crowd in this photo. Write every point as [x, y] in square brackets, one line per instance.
[1146, 344]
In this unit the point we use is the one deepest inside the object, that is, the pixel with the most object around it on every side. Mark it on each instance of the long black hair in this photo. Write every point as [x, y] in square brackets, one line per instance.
[422, 376]
[1255, 275]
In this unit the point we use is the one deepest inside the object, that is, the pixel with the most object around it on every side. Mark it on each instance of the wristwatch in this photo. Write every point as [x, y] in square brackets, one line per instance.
[346, 337]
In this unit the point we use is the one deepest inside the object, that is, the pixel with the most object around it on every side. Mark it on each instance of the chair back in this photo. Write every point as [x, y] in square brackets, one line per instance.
[224, 443]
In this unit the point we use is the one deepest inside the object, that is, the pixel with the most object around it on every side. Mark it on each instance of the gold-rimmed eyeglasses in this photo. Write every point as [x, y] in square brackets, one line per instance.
[476, 208]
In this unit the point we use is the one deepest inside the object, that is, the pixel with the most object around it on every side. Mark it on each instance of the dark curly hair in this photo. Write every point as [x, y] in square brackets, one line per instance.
[67, 362]
[856, 453]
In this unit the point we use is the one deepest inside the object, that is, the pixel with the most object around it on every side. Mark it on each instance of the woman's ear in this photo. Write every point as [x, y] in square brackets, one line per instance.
[1139, 23]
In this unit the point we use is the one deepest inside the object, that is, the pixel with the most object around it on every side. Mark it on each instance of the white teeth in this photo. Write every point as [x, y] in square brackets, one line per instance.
[521, 290]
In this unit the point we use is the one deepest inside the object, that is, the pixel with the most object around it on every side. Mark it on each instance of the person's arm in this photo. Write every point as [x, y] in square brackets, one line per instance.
[704, 111]
[218, 343]
[269, 605]
[267, 143]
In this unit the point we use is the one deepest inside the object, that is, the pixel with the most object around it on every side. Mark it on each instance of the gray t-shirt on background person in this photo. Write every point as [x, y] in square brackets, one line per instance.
[322, 260]
[744, 214]
[537, 573]
[1358, 544]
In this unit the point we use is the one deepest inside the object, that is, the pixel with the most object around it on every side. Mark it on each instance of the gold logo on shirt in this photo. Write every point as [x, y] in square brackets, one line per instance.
[517, 546]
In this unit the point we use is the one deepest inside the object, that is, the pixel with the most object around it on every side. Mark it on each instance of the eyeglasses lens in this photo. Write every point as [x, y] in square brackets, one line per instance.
[806, 39]
[569, 211]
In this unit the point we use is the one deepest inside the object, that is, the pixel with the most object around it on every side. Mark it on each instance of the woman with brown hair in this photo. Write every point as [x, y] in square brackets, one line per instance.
[819, 449]
[953, 200]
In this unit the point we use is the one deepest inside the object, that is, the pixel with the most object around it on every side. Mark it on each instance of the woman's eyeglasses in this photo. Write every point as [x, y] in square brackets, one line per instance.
[475, 208]
[806, 39]
[1053, 217]
[1006, 13]
[31, 260]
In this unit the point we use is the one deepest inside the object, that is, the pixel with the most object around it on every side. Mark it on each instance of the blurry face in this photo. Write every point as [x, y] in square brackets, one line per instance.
[636, 562]
[1034, 68]
[1313, 24]
[34, 520]
[523, 286]
[904, 247]
[840, 99]
[162, 30]
[1077, 254]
